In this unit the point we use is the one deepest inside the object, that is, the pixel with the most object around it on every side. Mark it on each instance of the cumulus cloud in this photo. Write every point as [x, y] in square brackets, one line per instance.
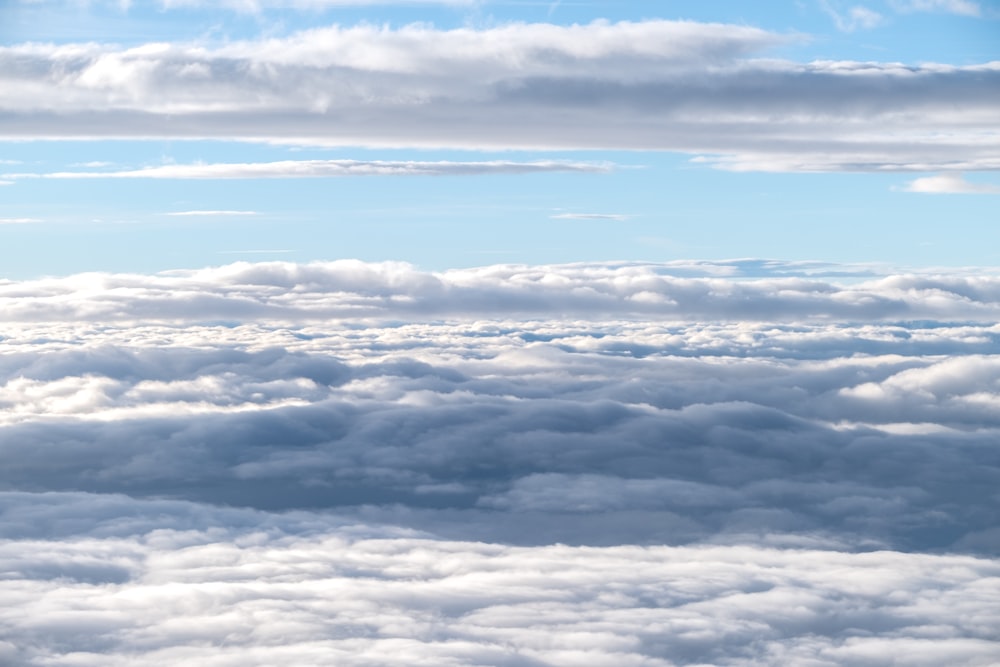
[780, 470]
[166, 582]
[354, 289]
[331, 169]
[669, 85]
[950, 184]
[789, 409]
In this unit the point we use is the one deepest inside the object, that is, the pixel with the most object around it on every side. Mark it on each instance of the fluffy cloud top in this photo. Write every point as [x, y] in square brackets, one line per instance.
[950, 184]
[669, 85]
[367, 464]
[353, 289]
[249, 591]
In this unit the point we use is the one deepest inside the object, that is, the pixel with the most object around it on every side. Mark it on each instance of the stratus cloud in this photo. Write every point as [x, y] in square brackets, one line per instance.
[668, 85]
[950, 184]
[331, 169]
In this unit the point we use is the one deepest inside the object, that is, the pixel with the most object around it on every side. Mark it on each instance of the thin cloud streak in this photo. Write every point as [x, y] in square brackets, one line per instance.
[211, 213]
[332, 169]
[590, 216]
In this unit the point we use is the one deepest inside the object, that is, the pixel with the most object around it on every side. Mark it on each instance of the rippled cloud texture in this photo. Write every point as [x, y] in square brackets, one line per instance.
[599, 464]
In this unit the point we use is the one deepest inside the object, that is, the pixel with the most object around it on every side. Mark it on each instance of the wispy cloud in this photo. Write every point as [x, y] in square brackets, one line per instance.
[961, 7]
[332, 169]
[18, 221]
[589, 216]
[947, 184]
[254, 252]
[853, 18]
[211, 213]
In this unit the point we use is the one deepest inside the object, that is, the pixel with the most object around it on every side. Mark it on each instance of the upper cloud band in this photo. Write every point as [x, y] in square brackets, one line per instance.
[668, 85]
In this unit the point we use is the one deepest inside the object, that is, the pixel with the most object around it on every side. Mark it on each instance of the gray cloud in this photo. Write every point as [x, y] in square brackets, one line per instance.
[489, 425]
[494, 484]
[669, 85]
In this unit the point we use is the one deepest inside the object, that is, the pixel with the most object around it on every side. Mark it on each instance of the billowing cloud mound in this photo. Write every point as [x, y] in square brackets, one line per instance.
[700, 463]
[702, 88]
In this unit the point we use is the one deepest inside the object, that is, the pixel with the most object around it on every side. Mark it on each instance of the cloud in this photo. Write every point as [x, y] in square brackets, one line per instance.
[393, 290]
[163, 582]
[332, 169]
[589, 216]
[950, 184]
[668, 85]
[256, 6]
[563, 420]
[19, 221]
[622, 464]
[961, 7]
[857, 17]
[211, 213]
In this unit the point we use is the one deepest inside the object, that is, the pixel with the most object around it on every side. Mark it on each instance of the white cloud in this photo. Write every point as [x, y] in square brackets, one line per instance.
[162, 583]
[668, 85]
[520, 404]
[962, 7]
[211, 213]
[651, 464]
[854, 18]
[18, 221]
[950, 184]
[255, 6]
[349, 288]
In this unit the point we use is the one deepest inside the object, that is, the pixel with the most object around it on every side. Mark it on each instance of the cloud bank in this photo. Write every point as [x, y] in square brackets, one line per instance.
[231, 587]
[670, 85]
[369, 464]
[358, 290]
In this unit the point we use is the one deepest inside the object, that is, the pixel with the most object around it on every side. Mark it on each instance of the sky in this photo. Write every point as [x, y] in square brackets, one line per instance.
[471, 333]
[147, 136]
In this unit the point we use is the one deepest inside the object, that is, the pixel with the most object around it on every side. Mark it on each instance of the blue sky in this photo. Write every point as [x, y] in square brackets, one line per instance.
[711, 130]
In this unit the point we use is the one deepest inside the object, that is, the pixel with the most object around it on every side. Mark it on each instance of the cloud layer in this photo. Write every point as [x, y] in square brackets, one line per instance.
[367, 464]
[395, 290]
[670, 85]
[253, 589]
